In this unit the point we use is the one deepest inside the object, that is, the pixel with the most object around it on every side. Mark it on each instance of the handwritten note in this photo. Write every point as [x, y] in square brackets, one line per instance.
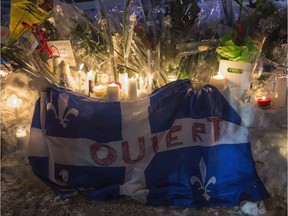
[63, 48]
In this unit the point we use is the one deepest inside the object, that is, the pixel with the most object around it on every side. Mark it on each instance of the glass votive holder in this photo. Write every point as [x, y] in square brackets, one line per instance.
[264, 103]
[99, 90]
[264, 100]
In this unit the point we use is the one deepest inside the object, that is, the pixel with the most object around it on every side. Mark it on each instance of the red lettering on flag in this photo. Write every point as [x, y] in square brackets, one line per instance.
[198, 128]
[170, 140]
[126, 151]
[155, 146]
[216, 128]
[110, 158]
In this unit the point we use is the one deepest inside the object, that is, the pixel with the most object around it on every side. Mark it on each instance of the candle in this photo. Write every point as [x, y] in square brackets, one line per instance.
[3, 73]
[89, 82]
[80, 77]
[65, 74]
[13, 101]
[56, 60]
[22, 138]
[112, 92]
[99, 90]
[218, 81]
[264, 103]
[132, 89]
[123, 79]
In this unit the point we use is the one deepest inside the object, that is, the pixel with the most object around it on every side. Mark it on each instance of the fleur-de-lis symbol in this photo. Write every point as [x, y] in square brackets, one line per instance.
[203, 186]
[62, 105]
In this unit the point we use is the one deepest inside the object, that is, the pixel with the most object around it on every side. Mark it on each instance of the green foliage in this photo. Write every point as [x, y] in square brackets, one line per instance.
[229, 51]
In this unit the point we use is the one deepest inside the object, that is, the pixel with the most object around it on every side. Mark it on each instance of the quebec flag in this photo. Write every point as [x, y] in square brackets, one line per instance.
[177, 147]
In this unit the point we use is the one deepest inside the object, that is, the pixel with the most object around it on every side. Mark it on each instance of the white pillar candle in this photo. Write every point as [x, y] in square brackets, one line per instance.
[112, 92]
[132, 89]
[99, 90]
[218, 81]
[123, 79]
[80, 78]
[65, 74]
[22, 138]
[56, 60]
[141, 86]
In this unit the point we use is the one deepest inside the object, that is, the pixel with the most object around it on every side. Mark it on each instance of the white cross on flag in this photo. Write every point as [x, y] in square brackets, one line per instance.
[176, 147]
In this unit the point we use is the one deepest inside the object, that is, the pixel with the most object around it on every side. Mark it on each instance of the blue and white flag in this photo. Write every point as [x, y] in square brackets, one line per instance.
[176, 147]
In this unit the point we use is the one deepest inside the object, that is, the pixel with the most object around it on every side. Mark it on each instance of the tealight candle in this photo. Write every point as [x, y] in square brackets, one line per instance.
[218, 81]
[112, 92]
[264, 103]
[22, 138]
[99, 90]
[132, 89]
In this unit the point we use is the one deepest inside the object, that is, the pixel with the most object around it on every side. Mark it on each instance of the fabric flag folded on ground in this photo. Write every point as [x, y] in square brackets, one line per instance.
[177, 147]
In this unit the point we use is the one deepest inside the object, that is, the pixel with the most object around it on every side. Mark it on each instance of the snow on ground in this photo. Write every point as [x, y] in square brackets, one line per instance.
[22, 193]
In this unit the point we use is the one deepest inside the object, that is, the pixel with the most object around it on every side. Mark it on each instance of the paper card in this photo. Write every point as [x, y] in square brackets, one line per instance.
[63, 48]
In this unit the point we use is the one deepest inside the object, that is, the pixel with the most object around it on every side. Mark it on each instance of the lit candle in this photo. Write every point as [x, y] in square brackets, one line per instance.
[264, 103]
[123, 79]
[99, 90]
[132, 89]
[13, 101]
[218, 81]
[65, 74]
[3, 73]
[141, 84]
[112, 92]
[22, 138]
[80, 77]
[56, 60]
[90, 77]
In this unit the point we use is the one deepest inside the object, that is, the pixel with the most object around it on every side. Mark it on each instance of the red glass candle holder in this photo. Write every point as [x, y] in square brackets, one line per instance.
[264, 102]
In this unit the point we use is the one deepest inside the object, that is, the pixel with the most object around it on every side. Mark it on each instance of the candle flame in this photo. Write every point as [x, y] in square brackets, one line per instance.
[21, 132]
[81, 66]
[13, 101]
[219, 74]
[3, 73]
[263, 98]
[90, 73]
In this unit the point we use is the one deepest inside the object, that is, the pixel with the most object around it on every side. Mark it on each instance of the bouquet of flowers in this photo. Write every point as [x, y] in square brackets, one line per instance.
[153, 43]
